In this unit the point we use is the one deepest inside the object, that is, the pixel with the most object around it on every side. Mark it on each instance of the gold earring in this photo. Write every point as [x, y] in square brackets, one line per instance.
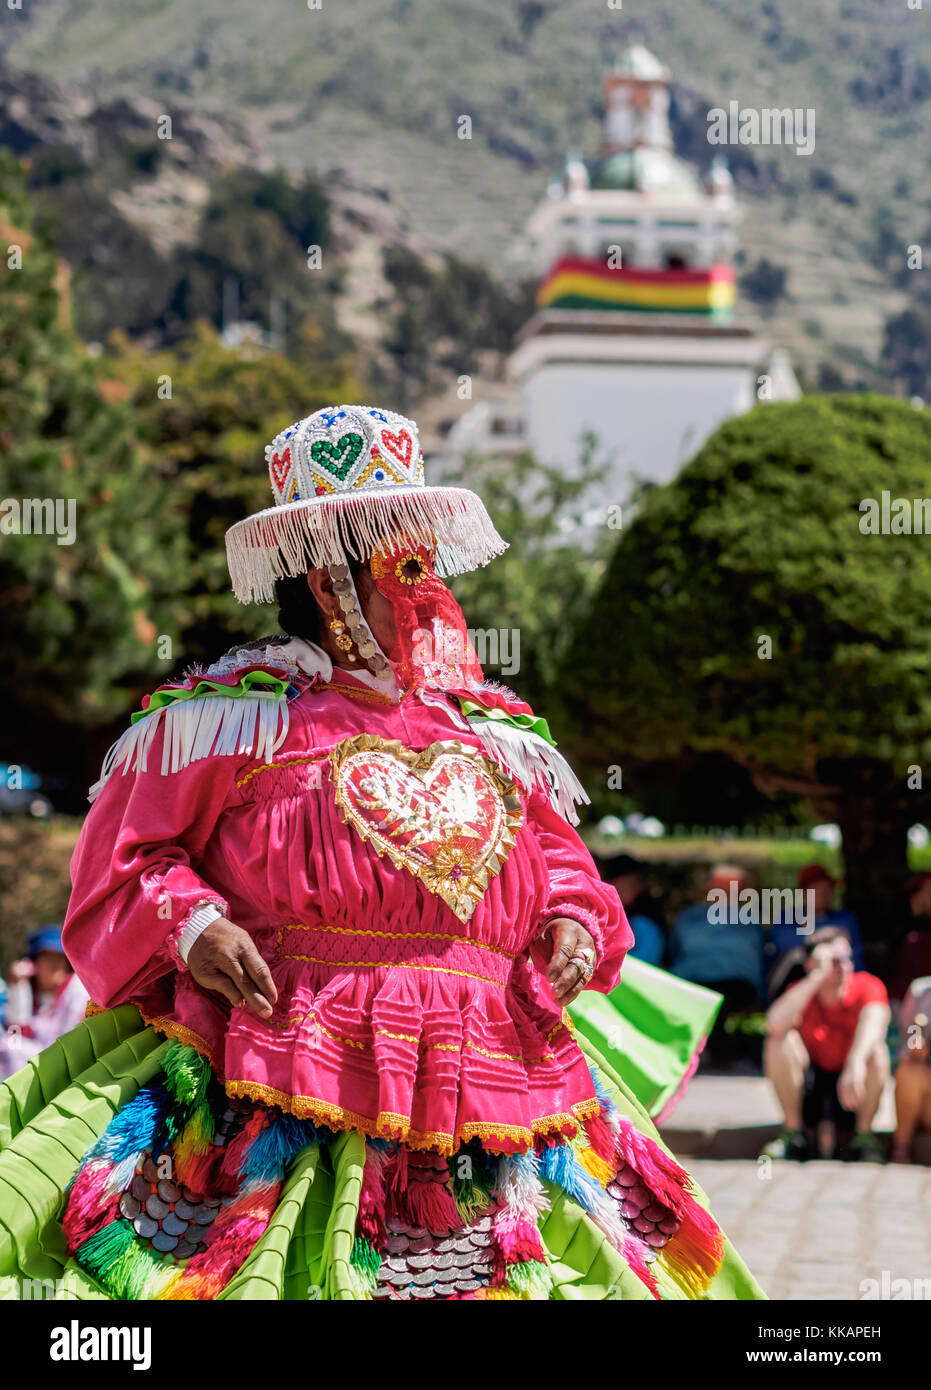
[340, 636]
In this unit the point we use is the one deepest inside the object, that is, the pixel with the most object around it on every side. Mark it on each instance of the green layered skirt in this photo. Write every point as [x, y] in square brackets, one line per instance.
[56, 1108]
[651, 1029]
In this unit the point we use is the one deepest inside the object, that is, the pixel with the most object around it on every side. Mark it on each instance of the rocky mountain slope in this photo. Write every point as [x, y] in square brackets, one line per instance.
[367, 94]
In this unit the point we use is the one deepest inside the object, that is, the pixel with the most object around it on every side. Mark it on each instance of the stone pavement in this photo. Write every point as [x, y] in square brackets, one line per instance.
[818, 1230]
[728, 1116]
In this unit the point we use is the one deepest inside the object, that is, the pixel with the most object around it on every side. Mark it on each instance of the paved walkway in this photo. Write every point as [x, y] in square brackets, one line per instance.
[734, 1116]
[818, 1230]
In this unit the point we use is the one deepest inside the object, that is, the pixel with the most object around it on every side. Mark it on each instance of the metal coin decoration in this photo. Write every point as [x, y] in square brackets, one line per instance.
[641, 1213]
[156, 1208]
[343, 588]
[168, 1215]
[418, 1263]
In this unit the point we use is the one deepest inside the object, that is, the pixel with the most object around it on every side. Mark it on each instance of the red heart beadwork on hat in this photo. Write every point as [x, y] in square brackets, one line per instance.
[280, 468]
[400, 445]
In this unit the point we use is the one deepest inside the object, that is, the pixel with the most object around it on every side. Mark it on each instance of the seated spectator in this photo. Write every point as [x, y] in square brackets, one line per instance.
[711, 946]
[786, 945]
[909, 956]
[826, 1053]
[44, 999]
[628, 877]
[913, 1071]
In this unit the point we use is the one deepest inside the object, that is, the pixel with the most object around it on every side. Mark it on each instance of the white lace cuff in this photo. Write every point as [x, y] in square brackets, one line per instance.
[198, 920]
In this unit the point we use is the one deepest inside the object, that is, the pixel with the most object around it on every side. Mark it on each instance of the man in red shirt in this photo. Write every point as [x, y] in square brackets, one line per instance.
[826, 1053]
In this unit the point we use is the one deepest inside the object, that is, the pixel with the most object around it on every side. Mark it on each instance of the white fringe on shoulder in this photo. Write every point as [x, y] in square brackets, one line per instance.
[206, 726]
[530, 760]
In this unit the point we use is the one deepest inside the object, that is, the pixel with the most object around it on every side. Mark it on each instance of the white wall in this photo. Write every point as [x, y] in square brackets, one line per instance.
[649, 419]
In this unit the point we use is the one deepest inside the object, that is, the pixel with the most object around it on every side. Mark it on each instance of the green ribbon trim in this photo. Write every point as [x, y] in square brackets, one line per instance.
[160, 699]
[534, 722]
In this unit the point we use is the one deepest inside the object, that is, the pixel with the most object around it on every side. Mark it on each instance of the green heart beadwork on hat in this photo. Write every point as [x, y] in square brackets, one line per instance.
[345, 481]
[337, 458]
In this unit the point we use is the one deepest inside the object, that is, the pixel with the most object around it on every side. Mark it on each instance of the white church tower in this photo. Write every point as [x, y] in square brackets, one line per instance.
[635, 338]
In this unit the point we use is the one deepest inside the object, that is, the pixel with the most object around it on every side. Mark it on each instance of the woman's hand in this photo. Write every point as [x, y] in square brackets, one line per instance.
[567, 976]
[224, 959]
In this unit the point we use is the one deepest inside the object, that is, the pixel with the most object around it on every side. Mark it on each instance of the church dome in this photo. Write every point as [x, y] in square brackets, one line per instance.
[644, 170]
[638, 62]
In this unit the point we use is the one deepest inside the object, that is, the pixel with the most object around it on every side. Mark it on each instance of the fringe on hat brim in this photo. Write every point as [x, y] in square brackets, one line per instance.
[300, 536]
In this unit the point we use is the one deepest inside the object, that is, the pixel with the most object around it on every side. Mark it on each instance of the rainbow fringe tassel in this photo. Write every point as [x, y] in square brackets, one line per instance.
[179, 1117]
[694, 1252]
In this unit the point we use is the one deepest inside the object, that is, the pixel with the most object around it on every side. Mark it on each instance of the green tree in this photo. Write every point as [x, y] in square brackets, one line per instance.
[160, 453]
[203, 414]
[255, 234]
[765, 282]
[906, 349]
[540, 587]
[445, 317]
[759, 542]
[78, 621]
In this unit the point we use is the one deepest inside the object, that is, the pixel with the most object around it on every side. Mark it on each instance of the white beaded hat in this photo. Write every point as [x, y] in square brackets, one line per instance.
[347, 480]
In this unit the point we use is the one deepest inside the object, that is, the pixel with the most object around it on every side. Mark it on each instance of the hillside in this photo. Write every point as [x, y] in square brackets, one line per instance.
[374, 91]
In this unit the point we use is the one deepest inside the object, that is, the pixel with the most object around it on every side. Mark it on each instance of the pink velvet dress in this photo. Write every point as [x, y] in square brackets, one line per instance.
[398, 900]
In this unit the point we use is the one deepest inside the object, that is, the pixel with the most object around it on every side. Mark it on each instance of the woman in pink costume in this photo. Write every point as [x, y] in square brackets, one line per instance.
[333, 883]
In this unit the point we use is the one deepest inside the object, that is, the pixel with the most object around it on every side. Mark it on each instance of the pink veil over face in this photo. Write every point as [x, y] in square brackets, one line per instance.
[433, 646]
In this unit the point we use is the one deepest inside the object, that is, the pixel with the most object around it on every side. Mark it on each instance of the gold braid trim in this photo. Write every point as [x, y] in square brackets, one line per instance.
[334, 1037]
[374, 697]
[511, 1056]
[566, 1022]
[290, 762]
[401, 1037]
[171, 1029]
[168, 1026]
[388, 1125]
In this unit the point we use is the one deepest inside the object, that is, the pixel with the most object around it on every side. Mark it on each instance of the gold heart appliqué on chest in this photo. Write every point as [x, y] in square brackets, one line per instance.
[447, 815]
